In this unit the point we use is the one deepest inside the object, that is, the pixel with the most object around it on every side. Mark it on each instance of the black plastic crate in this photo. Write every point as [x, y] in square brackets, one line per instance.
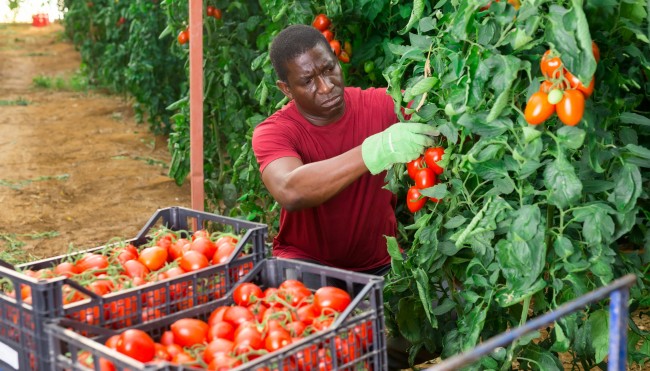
[23, 343]
[364, 312]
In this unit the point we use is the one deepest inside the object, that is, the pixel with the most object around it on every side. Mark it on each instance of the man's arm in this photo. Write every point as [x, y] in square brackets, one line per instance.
[297, 186]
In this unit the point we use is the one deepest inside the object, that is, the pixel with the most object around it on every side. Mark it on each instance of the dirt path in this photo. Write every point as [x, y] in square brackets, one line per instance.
[75, 167]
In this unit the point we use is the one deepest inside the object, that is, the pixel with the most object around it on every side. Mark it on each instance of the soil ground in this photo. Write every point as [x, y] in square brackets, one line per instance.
[75, 167]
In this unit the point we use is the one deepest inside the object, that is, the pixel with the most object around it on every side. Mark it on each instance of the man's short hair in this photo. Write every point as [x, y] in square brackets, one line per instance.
[290, 43]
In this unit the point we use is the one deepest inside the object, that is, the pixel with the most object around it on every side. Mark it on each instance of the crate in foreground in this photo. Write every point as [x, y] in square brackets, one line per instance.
[23, 343]
[361, 324]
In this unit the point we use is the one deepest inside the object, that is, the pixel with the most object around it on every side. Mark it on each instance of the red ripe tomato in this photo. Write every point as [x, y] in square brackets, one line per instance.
[133, 269]
[336, 47]
[329, 35]
[412, 167]
[91, 261]
[200, 233]
[237, 315]
[222, 362]
[101, 287]
[307, 313]
[67, 269]
[193, 260]
[291, 283]
[226, 239]
[217, 13]
[296, 328]
[414, 199]
[332, 298]
[247, 339]
[167, 338]
[217, 315]
[153, 257]
[575, 83]
[596, 50]
[538, 109]
[190, 331]
[425, 178]
[223, 253]
[221, 330]
[162, 353]
[344, 57]
[204, 246]
[571, 107]
[296, 296]
[550, 66]
[432, 156]
[216, 346]
[136, 344]
[111, 342]
[184, 37]
[209, 11]
[277, 339]
[247, 293]
[321, 22]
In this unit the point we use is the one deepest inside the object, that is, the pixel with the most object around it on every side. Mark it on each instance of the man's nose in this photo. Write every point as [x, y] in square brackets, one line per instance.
[324, 84]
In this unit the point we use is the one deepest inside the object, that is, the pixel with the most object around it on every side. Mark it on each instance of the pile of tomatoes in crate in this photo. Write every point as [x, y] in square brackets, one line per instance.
[561, 92]
[123, 265]
[257, 323]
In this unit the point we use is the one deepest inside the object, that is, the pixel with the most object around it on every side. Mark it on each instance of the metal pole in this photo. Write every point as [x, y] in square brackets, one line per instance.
[196, 104]
[618, 315]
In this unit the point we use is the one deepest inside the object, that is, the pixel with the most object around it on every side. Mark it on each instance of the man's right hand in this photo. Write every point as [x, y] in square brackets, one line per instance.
[400, 143]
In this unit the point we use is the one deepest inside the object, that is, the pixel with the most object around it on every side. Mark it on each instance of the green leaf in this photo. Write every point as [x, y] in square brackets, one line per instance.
[475, 322]
[634, 118]
[438, 191]
[542, 359]
[563, 247]
[393, 249]
[424, 292]
[561, 343]
[422, 86]
[597, 225]
[408, 319]
[639, 152]
[627, 188]
[444, 307]
[416, 14]
[571, 137]
[599, 321]
[455, 222]
[563, 185]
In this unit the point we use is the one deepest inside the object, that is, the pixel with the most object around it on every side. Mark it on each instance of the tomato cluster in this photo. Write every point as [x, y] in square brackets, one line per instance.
[212, 11]
[561, 92]
[123, 266]
[424, 170]
[258, 322]
[322, 23]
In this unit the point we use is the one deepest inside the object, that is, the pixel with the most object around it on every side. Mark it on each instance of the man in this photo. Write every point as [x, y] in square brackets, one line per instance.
[323, 157]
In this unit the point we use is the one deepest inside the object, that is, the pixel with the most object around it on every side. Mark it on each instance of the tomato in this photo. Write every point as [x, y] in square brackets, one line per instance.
[95, 263]
[347, 47]
[295, 295]
[414, 199]
[167, 338]
[369, 66]
[425, 178]
[322, 323]
[221, 330]
[575, 83]
[136, 344]
[277, 339]
[183, 358]
[344, 57]
[555, 96]
[363, 332]
[291, 283]
[201, 233]
[247, 339]
[223, 253]
[329, 35]
[133, 268]
[412, 167]
[333, 298]
[101, 287]
[336, 47]
[571, 107]
[209, 11]
[183, 37]
[538, 109]
[347, 348]
[226, 239]
[217, 315]
[111, 342]
[177, 249]
[432, 156]
[217, 13]
[193, 260]
[204, 246]
[550, 65]
[223, 362]
[237, 315]
[126, 255]
[153, 257]
[67, 269]
[546, 86]
[307, 313]
[189, 331]
[321, 22]
[162, 353]
[596, 50]
[174, 349]
[271, 298]
[216, 346]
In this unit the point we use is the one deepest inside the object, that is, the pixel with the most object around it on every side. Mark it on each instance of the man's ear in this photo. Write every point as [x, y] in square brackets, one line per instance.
[284, 88]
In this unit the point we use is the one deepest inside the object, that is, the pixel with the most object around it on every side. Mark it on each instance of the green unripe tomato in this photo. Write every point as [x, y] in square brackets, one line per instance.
[555, 96]
[369, 66]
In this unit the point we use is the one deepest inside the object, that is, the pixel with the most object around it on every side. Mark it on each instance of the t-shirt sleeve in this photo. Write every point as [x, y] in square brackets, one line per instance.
[270, 144]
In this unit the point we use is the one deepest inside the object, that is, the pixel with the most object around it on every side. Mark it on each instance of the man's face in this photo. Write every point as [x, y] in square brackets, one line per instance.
[315, 83]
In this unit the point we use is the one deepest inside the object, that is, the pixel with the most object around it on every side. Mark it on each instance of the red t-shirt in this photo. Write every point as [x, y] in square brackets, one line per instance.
[348, 230]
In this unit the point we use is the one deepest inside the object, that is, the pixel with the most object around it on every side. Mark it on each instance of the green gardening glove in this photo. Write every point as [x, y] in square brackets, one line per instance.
[400, 143]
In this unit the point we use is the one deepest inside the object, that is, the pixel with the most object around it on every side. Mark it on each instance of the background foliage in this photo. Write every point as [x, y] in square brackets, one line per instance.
[530, 217]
